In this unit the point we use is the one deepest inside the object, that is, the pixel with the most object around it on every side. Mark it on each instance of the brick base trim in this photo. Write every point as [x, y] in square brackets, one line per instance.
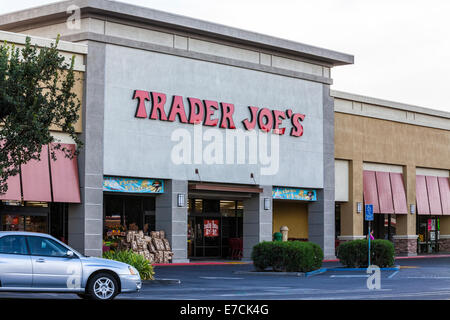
[444, 245]
[405, 246]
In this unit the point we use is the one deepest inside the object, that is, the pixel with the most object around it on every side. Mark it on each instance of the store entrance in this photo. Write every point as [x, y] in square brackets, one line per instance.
[213, 227]
[384, 226]
[428, 231]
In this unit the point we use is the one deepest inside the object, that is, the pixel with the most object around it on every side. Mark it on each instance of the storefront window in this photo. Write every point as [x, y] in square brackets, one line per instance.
[337, 224]
[124, 213]
[36, 224]
[33, 216]
[384, 226]
[228, 208]
[13, 223]
[428, 228]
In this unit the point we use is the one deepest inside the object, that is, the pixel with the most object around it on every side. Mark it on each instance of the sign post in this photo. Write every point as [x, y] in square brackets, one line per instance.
[369, 217]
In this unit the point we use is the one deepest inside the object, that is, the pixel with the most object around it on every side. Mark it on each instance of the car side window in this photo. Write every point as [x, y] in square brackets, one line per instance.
[46, 247]
[13, 245]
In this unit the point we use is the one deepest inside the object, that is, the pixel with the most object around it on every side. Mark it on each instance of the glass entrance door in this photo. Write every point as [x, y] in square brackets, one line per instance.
[207, 237]
[429, 231]
[211, 224]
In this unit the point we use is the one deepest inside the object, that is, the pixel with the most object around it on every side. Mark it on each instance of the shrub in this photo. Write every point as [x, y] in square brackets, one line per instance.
[290, 256]
[354, 254]
[141, 264]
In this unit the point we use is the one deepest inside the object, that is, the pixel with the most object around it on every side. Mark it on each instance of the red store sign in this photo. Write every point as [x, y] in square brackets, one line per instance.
[206, 112]
[211, 228]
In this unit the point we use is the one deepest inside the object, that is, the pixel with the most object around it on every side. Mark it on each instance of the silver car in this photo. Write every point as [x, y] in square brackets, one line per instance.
[36, 262]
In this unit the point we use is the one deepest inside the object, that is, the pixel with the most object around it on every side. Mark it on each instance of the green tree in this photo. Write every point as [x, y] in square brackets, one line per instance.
[36, 92]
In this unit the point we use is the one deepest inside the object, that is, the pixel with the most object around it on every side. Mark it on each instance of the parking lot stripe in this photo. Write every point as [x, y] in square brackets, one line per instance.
[350, 276]
[393, 275]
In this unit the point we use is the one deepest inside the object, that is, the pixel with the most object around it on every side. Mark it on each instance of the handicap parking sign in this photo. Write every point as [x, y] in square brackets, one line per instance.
[369, 212]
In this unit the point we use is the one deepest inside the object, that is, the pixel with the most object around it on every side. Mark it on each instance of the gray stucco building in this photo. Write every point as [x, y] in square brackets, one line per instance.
[189, 126]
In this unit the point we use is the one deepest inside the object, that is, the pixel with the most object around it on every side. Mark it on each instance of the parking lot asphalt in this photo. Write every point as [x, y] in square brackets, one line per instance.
[417, 279]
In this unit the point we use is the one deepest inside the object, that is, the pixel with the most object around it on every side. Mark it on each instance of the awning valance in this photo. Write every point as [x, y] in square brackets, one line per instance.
[64, 176]
[385, 191]
[432, 195]
[36, 179]
[46, 180]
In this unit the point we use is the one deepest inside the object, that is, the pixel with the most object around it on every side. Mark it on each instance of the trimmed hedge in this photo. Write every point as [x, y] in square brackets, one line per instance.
[290, 256]
[354, 254]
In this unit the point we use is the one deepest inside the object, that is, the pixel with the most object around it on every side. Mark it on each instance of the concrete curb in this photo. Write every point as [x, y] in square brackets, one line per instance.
[161, 281]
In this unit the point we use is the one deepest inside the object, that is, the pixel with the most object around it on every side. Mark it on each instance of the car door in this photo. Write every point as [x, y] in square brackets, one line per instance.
[15, 263]
[52, 268]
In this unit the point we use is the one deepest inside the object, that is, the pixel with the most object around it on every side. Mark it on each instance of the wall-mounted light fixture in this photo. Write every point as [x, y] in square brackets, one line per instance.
[181, 200]
[412, 208]
[267, 203]
[359, 207]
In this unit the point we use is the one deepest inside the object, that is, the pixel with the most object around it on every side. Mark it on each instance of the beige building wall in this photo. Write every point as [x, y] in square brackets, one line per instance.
[67, 50]
[292, 214]
[375, 131]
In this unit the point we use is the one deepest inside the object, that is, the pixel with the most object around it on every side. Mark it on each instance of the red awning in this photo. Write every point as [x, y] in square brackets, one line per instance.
[398, 193]
[384, 192]
[422, 195]
[370, 190]
[36, 179]
[444, 189]
[434, 197]
[65, 183]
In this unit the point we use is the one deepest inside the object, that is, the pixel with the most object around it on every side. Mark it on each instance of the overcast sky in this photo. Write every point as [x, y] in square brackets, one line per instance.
[401, 47]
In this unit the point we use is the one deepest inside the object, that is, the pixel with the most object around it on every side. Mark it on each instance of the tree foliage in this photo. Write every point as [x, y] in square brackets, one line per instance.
[36, 93]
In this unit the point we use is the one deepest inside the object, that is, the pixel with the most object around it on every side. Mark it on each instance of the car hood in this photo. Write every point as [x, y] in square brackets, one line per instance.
[104, 263]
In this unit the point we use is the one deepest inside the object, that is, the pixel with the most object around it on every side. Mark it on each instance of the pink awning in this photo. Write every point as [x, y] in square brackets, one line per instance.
[434, 197]
[13, 183]
[422, 195]
[36, 179]
[13, 192]
[370, 190]
[398, 193]
[444, 188]
[65, 183]
[384, 192]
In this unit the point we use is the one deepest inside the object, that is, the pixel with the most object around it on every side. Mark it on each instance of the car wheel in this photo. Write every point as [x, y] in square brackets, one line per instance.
[103, 286]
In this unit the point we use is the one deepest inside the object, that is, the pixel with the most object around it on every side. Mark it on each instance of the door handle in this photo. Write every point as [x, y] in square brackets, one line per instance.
[40, 260]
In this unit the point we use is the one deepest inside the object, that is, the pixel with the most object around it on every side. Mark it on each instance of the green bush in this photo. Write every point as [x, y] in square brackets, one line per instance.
[141, 264]
[354, 254]
[290, 256]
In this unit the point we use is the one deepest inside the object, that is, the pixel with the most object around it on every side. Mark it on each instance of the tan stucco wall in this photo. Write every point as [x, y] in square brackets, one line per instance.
[292, 214]
[67, 50]
[365, 139]
[78, 90]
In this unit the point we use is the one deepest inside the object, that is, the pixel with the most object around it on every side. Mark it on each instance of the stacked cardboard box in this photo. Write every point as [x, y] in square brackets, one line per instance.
[156, 248]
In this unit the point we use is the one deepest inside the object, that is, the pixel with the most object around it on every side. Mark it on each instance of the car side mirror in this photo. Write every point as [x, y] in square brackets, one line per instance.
[69, 254]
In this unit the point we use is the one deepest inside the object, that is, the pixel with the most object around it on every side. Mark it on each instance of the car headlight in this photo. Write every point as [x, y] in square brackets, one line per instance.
[133, 271]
